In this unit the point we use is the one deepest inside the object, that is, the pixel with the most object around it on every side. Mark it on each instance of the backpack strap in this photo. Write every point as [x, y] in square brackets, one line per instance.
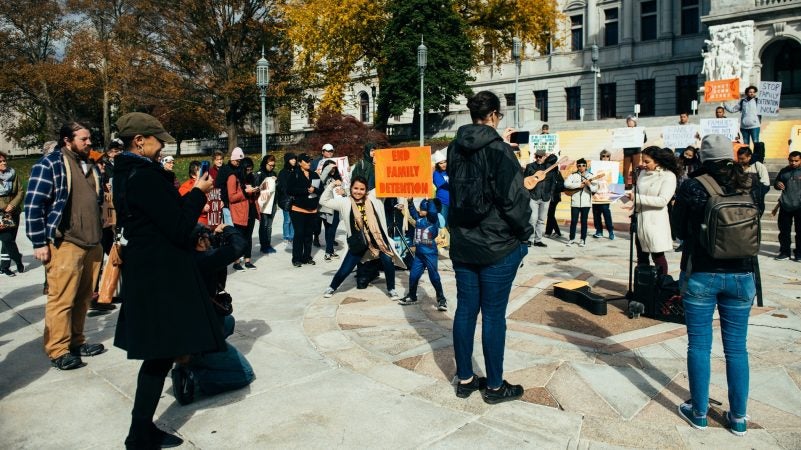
[712, 187]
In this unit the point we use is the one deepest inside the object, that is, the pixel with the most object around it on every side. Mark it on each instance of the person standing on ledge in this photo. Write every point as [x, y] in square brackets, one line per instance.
[749, 119]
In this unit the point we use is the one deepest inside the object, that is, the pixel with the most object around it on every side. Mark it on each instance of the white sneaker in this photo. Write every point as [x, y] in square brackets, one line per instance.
[571, 242]
[393, 295]
[328, 292]
[582, 243]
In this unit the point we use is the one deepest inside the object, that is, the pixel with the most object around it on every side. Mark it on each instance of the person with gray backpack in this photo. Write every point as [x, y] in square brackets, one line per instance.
[717, 216]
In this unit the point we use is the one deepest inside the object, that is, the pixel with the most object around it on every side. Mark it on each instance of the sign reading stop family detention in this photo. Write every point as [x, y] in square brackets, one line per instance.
[770, 94]
[403, 172]
[722, 90]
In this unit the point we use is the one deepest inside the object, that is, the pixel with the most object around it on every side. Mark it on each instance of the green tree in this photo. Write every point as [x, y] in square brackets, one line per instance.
[450, 58]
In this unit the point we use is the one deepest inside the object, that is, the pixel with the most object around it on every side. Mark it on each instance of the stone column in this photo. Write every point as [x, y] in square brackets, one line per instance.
[626, 21]
[665, 17]
[592, 23]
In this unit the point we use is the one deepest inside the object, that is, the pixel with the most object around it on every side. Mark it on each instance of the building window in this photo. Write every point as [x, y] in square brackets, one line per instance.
[510, 99]
[686, 92]
[573, 103]
[576, 32]
[690, 17]
[610, 27]
[541, 103]
[364, 107]
[310, 111]
[487, 54]
[645, 96]
[648, 20]
[786, 67]
[608, 104]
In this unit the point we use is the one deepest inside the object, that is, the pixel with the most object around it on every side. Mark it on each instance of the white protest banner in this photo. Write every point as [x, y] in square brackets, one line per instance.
[628, 137]
[727, 127]
[611, 170]
[679, 136]
[547, 142]
[770, 93]
[795, 139]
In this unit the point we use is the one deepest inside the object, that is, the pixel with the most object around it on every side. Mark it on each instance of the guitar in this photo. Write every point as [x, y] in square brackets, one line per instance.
[570, 192]
[531, 181]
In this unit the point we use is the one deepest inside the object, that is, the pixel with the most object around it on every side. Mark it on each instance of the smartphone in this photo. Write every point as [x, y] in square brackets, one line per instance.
[519, 137]
[204, 168]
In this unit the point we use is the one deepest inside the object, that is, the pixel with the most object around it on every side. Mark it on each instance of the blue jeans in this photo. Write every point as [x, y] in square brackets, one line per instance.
[483, 288]
[351, 260]
[330, 233]
[222, 371]
[420, 263]
[443, 216]
[601, 211]
[289, 231]
[749, 134]
[733, 293]
[574, 218]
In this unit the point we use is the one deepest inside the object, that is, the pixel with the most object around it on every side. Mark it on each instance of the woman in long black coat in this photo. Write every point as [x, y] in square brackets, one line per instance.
[166, 313]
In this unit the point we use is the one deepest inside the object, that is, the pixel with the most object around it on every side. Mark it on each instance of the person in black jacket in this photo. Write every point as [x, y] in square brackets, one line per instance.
[788, 181]
[541, 195]
[486, 249]
[727, 284]
[304, 186]
[214, 372]
[281, 196]
[166, 314]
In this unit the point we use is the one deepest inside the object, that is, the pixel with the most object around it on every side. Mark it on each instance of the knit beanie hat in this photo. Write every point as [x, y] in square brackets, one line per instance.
[715, 147]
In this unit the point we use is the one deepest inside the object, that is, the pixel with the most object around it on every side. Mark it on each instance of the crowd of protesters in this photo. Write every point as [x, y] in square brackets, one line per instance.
[77, 206]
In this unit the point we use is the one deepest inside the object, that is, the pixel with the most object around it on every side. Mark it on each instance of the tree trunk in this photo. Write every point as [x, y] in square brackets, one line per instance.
[106, 118]
[230, 128]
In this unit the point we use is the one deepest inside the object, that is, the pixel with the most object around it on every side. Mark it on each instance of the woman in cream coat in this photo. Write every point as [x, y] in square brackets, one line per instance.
[655, 188]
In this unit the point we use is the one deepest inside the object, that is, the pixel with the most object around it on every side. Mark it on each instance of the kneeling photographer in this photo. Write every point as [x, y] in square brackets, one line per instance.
[227, 370]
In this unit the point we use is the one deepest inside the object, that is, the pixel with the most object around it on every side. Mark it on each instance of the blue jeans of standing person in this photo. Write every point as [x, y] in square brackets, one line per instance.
[330, 233]
[749, 134]
[443, 216]
[574, 217]
[420, 263]
[733, 294]
[266, 229]
[351, 260]
[539, 215]
[222, 371]
[289, 231]
[601, 211]
[483, 288]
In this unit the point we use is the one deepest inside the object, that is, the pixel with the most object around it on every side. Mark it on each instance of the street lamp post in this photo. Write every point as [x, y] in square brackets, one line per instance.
[516, 46]
[422, 59]
[262, 80]
[596, 72]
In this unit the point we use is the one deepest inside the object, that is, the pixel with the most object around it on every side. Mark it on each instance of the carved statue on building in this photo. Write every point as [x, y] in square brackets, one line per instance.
[729, 52]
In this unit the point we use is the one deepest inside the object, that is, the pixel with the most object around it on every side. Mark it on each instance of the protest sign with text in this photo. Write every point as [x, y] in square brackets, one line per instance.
[215, 207]
[728, 127]
[722, 90]
[770, 93]
[628, 137]
[547, 142]
[679, 136]
[403, 172]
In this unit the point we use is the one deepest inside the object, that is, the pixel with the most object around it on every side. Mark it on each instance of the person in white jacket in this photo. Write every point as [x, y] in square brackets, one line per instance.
[655, 188]
[366, 230]
[581, 200]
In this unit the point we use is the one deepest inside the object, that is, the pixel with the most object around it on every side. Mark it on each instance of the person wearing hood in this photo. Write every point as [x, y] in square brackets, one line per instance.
[365, 168]
[303, 184]
[266, 179]
[234, 193]
[541, 195]
[441, 182]
[489, 221]
[165, 316]
[329, 216]
[283, 199]
[426, 229]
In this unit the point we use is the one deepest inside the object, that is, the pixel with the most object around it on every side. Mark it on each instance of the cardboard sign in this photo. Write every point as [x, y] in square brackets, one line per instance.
[679, 136]
[722, 90]
[770, 93]
[342, 167]
[628, 137]
[610, 169]
[795, 139]
[215, 207]
[547, 142]
[403, 172]
[109, 214]
[728, 127]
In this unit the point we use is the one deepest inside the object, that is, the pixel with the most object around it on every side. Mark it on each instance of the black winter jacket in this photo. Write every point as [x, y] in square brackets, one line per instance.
[298, 187]
[507, 224]
[545, 190]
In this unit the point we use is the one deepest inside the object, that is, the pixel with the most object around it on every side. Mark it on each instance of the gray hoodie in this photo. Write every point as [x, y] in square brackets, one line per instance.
[748, 112]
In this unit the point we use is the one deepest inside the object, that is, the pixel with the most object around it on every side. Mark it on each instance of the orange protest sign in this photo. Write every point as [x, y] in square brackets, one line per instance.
[722, 90]
[403, 172]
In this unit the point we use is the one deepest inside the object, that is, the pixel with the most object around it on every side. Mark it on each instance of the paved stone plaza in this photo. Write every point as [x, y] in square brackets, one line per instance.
[359, 371]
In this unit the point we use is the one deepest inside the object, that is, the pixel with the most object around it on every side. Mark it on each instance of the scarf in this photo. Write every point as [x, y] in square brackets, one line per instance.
[375, 238]
[7, 182]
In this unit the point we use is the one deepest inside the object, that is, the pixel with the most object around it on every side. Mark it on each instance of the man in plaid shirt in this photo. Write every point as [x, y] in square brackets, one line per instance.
[62, 220]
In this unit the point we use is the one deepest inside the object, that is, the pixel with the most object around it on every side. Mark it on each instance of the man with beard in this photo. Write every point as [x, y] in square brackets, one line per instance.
[62, 218]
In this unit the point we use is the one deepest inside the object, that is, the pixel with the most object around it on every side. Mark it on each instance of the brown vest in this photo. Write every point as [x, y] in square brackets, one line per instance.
[80, 223]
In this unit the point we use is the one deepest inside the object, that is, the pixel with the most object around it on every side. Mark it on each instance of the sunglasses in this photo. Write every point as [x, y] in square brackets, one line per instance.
[581, 165]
